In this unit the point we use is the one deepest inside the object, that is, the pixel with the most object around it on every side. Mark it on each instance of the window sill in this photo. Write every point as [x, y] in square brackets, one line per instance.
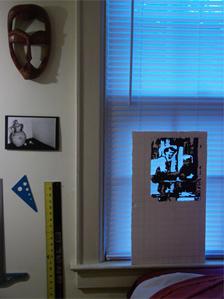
[122, 265]
[122, 274]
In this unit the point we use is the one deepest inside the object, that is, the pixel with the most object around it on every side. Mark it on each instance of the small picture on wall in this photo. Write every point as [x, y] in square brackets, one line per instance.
[31, 133]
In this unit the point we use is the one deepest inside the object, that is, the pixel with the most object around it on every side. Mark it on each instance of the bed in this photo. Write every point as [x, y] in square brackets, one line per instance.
[180, 284]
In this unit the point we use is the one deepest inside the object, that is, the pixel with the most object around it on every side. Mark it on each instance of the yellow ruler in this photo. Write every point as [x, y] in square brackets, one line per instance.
[50, 251]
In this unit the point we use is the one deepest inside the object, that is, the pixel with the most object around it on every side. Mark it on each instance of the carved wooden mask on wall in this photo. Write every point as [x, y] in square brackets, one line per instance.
[23, 44]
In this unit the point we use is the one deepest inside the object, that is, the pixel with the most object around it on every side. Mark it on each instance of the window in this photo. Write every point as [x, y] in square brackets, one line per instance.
[164, 72]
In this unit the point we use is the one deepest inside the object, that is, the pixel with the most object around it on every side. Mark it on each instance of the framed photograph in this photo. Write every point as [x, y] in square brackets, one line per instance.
[32, 133]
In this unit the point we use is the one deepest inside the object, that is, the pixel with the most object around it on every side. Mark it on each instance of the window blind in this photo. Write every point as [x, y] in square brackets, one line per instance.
[164, 72]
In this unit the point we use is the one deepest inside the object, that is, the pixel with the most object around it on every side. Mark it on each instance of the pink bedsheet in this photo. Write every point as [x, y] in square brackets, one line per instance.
[204, 287]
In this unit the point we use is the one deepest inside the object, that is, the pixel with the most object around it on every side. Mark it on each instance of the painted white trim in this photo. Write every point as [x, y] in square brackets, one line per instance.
[89, 157]
[123, 274]
[122, 265]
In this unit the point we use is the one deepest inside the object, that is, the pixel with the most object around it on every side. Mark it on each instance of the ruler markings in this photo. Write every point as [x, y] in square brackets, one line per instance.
[58, 240]
[50, 240]
[55, 279]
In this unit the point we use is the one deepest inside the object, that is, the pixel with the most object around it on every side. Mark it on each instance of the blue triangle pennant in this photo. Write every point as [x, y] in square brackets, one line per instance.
[23, 190]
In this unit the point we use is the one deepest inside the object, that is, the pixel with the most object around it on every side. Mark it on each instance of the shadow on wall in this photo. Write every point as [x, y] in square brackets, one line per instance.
[57, 17]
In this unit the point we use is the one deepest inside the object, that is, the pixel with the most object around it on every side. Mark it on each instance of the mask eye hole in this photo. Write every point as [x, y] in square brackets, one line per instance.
[28, 26]
[36, 51]
[21, 52]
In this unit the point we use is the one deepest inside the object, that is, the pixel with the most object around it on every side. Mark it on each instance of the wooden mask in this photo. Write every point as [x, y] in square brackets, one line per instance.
[22, 43]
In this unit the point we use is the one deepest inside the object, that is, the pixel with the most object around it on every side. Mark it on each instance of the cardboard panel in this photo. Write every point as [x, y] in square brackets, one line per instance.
[168, 213]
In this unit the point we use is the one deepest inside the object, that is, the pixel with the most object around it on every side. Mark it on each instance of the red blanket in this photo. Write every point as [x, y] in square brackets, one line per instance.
[205, 287]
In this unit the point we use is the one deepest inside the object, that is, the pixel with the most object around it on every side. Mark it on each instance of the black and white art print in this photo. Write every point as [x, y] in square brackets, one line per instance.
[176, 168]
[31, 133]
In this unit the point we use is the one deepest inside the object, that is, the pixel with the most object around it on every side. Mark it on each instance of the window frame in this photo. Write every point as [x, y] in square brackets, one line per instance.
[90, 84]
[90, 135]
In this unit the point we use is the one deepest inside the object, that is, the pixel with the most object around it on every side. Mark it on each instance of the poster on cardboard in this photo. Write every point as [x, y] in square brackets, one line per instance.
[168, 197]
[175, 168]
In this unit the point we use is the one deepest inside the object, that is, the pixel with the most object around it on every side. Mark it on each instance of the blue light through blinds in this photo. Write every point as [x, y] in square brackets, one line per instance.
[164, 72]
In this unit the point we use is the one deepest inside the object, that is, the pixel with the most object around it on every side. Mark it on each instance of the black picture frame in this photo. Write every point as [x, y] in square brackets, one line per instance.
[31, 133]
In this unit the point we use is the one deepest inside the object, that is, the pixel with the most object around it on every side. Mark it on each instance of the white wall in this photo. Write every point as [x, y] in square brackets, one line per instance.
[53, 94]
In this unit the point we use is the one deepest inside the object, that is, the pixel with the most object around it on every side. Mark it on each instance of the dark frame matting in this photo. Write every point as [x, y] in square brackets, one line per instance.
[30, 144]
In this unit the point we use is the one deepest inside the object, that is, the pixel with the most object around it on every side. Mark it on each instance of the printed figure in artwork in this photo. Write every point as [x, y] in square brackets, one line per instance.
[188, 175]
[165, 172]
[17, 135]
